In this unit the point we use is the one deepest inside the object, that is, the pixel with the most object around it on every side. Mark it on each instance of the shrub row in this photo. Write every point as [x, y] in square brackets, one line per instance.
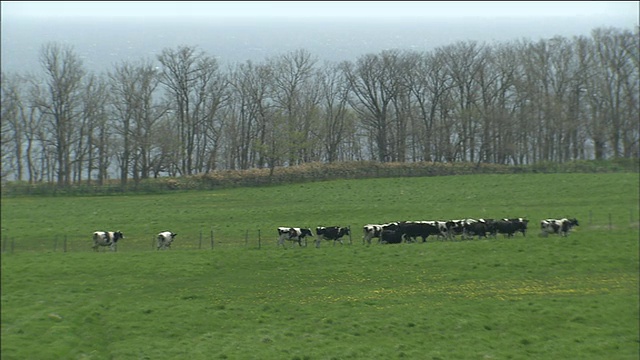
[311, 172]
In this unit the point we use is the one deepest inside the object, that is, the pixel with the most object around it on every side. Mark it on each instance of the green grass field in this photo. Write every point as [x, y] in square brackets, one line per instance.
[523, 298]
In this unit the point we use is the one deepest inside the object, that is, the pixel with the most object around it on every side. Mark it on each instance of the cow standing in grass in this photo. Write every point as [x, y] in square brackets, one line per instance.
[557, 226]
[293, 234]
[106, 238]
[165, 239]
[371, 231]
[334, 233]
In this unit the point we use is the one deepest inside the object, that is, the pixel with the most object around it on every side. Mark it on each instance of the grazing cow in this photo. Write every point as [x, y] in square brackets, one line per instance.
[293, 234]
[412, 229]
[557, 226]
[106, 238]
[165, 239]
[374, 231]
[334, 233]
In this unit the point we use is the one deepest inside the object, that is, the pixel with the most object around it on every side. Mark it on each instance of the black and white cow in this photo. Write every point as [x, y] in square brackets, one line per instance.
[106, 238]
[164, 239]
[557, 226]
[334, 233]
[294, 234]
[375, 230]
[454, 228]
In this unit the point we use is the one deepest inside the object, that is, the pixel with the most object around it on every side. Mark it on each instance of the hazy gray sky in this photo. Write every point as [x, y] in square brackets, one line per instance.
[334, 9]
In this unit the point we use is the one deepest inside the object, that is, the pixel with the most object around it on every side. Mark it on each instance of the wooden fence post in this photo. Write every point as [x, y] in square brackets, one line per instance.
[212, 238]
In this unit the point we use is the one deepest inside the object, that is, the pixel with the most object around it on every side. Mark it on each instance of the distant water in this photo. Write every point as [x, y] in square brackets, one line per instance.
[103, 42]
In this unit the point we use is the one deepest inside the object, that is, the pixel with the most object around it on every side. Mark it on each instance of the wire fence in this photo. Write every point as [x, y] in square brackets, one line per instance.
[256, 238]
[250, 239]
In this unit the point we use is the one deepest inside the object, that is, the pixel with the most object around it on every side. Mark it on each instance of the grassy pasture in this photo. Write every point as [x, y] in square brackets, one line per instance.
[522, 298]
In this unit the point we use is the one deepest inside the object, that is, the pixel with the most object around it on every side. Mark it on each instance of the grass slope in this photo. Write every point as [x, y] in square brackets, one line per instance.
[521, 298]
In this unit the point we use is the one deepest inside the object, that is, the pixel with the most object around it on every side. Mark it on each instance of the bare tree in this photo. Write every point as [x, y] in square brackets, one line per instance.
[13, 120]
[93, 115]
[428, 81]
[296, 99]
[136, 103]
[188, 75]
[465, 62]
[64, 74]
[617, 55]
[497, 107]
[374, 84]
[250, 84]
[335, 125]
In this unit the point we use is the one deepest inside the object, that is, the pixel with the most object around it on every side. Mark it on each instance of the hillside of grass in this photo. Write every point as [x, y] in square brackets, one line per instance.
[250, 216]
[522, 298]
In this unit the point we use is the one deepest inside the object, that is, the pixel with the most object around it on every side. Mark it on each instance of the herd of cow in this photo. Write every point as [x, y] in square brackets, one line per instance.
[409, 231]
[390, 233]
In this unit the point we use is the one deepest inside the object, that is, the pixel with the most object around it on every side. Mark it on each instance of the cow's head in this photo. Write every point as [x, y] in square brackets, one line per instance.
[117, 235]
[344, 231]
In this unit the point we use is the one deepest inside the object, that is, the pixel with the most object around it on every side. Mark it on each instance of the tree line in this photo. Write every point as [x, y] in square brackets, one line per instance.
[182, 113]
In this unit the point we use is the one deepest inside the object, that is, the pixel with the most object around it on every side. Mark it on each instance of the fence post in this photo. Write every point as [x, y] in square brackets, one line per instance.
[212, 238]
